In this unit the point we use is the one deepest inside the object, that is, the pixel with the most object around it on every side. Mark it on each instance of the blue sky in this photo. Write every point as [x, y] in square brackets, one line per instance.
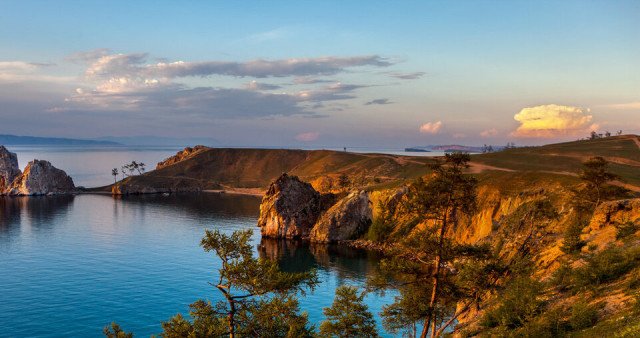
[348, 73]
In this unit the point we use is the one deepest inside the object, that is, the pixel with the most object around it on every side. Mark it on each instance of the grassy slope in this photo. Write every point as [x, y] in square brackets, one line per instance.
[622, 152]
[220, 168]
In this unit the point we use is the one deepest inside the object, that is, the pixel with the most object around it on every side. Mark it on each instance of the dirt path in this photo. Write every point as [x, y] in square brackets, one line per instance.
[476, 168]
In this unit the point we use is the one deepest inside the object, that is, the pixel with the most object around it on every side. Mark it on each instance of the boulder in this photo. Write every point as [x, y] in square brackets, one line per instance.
[41, 178]
[290, 208]
[348, 218]
[9, 169]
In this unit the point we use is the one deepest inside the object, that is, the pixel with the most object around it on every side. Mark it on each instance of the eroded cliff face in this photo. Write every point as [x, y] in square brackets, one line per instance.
[293, 209]
[290, 208]
[181, 156]
[41, 178]
[9, 169]
[350, 217]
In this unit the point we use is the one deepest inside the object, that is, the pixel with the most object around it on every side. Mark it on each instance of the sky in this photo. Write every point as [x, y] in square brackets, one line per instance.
[322, 73]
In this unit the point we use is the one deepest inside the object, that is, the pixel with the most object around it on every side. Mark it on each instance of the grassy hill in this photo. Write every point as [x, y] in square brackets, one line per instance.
[623, 152]
[232, 168]
[225, 168]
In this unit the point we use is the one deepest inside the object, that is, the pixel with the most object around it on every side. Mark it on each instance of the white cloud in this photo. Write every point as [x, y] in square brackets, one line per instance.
[431, 127]
[306, 137]
[550, 121]
[489, 132]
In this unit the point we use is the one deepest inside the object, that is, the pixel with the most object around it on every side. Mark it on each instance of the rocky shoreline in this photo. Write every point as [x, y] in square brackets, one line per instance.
[39, 177]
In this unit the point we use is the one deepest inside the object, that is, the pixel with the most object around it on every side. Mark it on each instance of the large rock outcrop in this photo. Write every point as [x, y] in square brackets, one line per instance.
[41, 178]
[349, 217]
[9, 169]
[290, 208]
[181, 156]
[293, 209]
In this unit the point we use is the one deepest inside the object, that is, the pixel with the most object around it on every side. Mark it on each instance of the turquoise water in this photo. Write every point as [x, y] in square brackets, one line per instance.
[69, 265]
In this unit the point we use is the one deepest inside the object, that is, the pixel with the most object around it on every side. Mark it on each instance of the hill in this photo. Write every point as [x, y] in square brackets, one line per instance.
[623, 153]
[228, 168]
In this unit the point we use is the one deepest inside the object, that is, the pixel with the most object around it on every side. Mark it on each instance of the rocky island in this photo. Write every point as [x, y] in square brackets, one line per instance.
[39, 177]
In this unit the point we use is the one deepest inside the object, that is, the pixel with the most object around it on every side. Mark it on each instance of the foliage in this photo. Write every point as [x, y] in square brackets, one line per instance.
[583, 315]
[625, 230]
[428, 290]
[259, 297]
[595, 175]
[519, 304]
[115, 331]
[131, 168]
[343, 181]
[348, 316]
[571, 242]
[383, 225]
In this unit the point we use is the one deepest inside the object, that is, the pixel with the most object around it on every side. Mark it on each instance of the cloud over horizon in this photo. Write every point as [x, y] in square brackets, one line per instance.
[431, 127]
[549, 121]
[130, 82]
[307, 137]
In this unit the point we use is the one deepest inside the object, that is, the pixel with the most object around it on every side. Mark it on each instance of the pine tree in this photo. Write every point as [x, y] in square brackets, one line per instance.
[259, 299]
[348, 316]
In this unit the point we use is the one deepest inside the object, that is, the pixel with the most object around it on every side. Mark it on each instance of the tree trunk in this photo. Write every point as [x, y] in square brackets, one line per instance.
[464, 309]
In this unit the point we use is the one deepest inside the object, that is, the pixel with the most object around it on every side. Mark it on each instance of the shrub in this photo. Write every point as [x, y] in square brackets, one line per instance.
[583, 315]
[572, 243]
[518, 305]
[625, 230]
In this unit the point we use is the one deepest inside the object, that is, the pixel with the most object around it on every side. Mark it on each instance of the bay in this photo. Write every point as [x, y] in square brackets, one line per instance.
[69, 265]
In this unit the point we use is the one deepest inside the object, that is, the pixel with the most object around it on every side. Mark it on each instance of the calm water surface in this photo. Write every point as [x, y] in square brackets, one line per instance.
[69, 265]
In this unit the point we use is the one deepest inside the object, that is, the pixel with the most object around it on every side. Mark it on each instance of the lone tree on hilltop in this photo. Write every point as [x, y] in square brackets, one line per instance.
[114, 173]
[596, 176]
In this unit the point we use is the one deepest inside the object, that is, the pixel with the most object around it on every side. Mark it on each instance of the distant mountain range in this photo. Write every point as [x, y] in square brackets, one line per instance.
[32, 140]
[6, 139]
[161, 141]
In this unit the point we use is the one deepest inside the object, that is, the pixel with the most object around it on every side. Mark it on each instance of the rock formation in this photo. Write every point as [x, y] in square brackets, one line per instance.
[348, 218]
[289, 209]
[9, 169]
[40, 178]
[293, 209]
[181, 156]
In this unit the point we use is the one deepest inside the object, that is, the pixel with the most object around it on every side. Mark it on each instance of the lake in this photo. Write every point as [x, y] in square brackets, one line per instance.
[69, 265]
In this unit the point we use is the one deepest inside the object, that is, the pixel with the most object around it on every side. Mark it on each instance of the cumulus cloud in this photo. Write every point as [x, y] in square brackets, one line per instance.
[306, 137]
[550, 121]
[489, 132]
[378, 101]
[431, 127]
[309, 80]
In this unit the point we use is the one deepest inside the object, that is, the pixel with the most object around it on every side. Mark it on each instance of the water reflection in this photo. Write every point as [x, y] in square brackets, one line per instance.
[200, 204]
[40, 211]
[345, 262]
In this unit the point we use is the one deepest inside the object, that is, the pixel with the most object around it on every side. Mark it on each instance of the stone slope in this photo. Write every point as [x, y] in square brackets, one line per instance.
[41, 178]
[9, 169]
